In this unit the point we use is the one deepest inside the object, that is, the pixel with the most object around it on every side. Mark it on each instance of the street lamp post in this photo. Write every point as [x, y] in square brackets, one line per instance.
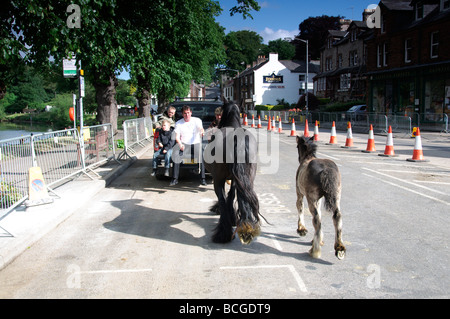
[307, 74]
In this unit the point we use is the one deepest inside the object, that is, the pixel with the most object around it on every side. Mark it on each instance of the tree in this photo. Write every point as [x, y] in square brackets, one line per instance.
[314, 30]
[242, 48]
[155, 36]
[285, 50]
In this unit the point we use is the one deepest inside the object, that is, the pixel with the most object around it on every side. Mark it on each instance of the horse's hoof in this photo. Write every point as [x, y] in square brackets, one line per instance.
[302, 232]
[340, 255]
[314, 254]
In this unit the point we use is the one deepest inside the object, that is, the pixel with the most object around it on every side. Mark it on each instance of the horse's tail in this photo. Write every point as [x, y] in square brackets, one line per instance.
[248, 221]
[330, 179]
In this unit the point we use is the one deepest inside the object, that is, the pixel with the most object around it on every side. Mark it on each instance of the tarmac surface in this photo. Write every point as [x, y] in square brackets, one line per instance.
[21, 228]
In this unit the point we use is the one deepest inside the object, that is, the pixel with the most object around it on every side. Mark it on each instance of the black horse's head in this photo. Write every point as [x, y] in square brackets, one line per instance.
[306, 148]
[230, 115]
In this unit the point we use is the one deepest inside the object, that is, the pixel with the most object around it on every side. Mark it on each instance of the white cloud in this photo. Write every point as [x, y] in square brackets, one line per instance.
[269, 34]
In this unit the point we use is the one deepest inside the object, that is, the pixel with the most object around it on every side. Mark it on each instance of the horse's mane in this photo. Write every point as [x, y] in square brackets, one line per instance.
[230, 116]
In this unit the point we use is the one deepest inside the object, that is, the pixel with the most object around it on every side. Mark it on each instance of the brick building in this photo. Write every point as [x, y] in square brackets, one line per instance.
[408, 59]
[343, 62]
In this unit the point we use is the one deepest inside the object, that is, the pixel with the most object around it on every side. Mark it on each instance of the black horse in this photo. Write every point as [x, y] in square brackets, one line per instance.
[232, 155]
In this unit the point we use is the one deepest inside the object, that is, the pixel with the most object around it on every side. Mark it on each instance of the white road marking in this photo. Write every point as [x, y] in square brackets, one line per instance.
[404, 181]
[291, 268]
[275, 242]
[112, 271]
[408, 189]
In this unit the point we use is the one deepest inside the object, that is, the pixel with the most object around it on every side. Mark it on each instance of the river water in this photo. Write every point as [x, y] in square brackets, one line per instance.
[11, 130]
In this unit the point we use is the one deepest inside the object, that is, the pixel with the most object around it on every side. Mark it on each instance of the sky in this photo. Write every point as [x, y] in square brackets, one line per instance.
[281, 18]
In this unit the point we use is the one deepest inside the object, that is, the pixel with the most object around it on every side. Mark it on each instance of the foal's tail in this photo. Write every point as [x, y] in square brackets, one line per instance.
[331, 183]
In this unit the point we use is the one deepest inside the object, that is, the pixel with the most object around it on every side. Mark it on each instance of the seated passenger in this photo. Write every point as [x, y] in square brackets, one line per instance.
[165, 143]
[188, 136]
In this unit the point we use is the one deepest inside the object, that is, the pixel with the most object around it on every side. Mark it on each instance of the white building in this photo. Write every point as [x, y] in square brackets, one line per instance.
[269, 80]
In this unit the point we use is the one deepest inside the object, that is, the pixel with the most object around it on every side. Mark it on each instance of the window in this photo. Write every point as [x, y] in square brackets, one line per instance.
[339, 61]
[301, 77]
[353, 35]
[408, 49]
[385, 55]
[434, 44]
[445, 4]
[328, 64]
[419, 10]
[353, 58]
[345, 81]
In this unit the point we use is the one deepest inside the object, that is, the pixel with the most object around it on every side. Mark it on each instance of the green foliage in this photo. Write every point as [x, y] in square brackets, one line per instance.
[243, 48]
[285, 50]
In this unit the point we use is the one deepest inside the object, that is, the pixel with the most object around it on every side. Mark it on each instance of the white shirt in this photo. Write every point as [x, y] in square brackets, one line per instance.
[190, 132]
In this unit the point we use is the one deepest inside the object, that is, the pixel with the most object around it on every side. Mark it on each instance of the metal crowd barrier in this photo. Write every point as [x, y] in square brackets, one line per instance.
[137, 133]
[59, 154]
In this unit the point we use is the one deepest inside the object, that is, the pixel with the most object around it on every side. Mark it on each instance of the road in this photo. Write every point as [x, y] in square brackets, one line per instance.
[140, 238]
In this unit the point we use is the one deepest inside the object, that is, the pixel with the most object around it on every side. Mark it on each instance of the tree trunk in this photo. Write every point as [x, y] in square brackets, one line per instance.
[106, 99]
[144, 98]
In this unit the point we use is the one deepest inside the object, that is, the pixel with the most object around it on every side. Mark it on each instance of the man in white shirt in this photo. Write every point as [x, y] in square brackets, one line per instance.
[188, 136]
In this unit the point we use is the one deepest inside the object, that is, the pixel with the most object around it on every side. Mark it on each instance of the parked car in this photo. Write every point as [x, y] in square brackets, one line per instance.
[205, 110]
[357, 112]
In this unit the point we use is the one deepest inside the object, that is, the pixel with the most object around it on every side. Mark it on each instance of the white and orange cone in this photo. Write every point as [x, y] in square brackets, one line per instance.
[389, 149]
[273, 123]
[316, 132]
[418, 152]
[259, 122]
[253, 120]
[245, 120]
[333, 138]
[293, 130]
[269, 125]
[306, 132]
[280, 127]
[349, 139]
[370, 142]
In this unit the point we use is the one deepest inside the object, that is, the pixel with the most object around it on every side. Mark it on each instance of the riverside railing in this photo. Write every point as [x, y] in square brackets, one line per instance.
[59, 154]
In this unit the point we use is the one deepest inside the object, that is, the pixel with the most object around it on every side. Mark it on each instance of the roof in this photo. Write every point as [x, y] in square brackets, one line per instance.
[297, 66]
[397, 5]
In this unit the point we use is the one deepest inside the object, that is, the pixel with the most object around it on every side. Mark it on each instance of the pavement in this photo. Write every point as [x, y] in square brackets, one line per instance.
[20, 229]
[24, 226]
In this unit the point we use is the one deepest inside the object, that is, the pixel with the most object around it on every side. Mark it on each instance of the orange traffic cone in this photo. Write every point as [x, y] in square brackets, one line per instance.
[370, 142]
[293, 130]
[306, 132]
[273, 123]
[253, 120]
[417, 153]
[333, 138]
[245, 120]
[349, 140]
[259, 122]
[316, 132]
[389, 149]
[280, 127]
[269, 125]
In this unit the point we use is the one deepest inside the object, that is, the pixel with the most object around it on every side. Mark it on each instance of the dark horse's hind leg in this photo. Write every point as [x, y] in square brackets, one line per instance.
[224, 230]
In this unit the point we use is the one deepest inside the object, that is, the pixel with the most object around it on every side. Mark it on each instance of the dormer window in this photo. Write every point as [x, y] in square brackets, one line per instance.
[445, 4]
